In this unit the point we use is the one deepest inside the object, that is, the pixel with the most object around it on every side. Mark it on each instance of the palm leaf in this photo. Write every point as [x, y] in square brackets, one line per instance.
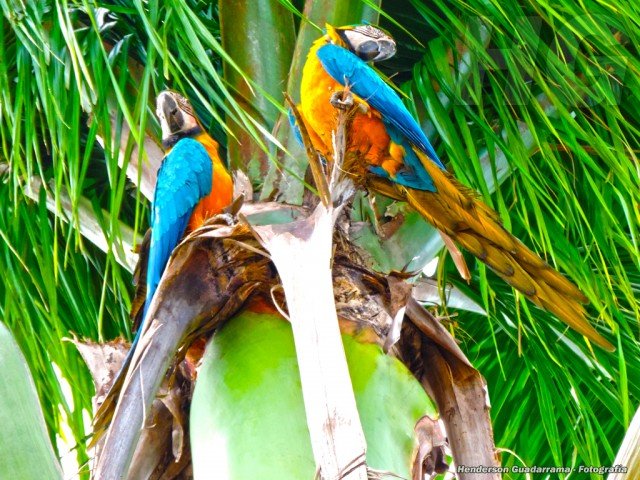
[532, 104]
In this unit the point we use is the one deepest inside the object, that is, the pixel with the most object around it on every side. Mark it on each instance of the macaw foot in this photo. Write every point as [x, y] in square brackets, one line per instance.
[342, 100]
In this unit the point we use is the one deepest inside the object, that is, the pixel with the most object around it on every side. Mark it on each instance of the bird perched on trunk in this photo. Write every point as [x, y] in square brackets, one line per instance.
[193, 183]
[387, 152]
[192, 186]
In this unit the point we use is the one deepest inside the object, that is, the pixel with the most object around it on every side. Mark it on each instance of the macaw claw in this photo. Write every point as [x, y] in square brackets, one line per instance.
[342, 99]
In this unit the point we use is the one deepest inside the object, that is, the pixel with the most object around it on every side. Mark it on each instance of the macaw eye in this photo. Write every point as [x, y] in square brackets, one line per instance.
[174, 111]
[368, 50]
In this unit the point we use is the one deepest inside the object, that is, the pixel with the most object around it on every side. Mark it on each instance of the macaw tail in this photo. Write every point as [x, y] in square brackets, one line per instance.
[458, 212]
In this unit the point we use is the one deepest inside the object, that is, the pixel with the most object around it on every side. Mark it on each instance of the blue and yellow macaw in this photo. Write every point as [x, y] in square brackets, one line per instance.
[192, 186]
[387, 152]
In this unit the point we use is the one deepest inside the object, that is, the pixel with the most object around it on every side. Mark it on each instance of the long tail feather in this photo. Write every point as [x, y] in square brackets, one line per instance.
[457, 211]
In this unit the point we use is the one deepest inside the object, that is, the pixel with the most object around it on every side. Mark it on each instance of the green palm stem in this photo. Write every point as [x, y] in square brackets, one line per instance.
[316, 13]
[259, 36]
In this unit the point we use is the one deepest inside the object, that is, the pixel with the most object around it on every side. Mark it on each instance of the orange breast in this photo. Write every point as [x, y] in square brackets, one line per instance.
[221, 186]
[368, 136]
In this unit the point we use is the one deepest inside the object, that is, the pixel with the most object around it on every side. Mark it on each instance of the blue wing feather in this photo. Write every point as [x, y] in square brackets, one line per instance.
[183, 180]
[347, 69]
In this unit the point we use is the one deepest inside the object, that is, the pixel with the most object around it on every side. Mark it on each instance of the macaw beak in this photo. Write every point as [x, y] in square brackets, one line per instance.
[369, 43]
[168, 111]
[376, 50]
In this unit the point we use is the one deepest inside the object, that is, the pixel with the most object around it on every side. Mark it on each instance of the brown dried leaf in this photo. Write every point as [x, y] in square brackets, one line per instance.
[457, 388]
[104, 361]
[430, 456]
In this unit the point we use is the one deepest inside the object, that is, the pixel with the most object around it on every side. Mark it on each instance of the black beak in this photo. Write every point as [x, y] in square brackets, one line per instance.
[386, 49]
[372, 50]
[170, 111]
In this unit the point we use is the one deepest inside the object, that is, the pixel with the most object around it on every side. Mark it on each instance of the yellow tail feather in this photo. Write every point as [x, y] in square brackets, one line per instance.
[458, 212]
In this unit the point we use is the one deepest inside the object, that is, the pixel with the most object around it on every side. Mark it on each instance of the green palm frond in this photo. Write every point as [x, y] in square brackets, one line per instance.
[531, 103]
[548, 90]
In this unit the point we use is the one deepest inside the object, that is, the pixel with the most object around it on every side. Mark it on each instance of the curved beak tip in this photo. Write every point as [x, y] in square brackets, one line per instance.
[387, 49]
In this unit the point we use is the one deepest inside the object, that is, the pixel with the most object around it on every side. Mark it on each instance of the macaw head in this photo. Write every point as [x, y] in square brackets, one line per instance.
[176, 116]
[370, 43]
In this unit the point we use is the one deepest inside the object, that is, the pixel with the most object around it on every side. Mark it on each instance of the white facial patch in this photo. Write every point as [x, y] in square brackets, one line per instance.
[369, 31]
[175, 113]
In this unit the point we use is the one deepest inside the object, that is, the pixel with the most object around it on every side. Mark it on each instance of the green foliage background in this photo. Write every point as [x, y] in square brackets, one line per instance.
[532, 103]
